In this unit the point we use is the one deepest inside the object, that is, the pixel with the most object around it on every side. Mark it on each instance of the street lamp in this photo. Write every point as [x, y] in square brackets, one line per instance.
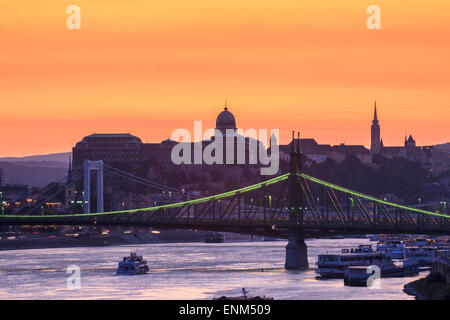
[444, 207]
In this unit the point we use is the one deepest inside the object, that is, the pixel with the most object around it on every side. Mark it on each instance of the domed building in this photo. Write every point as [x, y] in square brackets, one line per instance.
[114, 148]
[225, 121]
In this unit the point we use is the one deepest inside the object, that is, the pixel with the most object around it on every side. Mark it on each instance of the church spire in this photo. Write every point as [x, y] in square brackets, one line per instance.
[375, 118]
[376, 144]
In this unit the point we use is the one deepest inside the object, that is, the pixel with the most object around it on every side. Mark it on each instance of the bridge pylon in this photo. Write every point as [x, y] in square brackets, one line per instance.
[88, 167]
[296, 249]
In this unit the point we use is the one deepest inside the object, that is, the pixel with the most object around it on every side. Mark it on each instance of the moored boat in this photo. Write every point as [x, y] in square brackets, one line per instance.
[358, 275]
[334, 265]
[393, 248]
[215, 238]
[423, 256]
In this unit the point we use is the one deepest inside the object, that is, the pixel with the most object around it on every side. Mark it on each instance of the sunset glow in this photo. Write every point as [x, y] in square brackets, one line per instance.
[149, 67]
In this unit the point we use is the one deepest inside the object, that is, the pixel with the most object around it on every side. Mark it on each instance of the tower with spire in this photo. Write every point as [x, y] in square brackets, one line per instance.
[376, 142]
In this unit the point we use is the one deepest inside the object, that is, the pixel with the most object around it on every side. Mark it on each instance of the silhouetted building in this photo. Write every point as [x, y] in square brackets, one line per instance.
[124, 148]
[320, 152]
[111, 148]
[426, 155]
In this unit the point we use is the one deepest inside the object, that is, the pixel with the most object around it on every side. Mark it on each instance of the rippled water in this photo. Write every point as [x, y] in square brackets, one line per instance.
[182, 271]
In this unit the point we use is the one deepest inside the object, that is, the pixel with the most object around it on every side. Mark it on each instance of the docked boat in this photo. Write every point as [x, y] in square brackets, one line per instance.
[133, 264]
[215, 238]
[424, 242]
[358, 275]
[244, 296]
[393, 248]
[270, 239]
[423, 256]
[334, 265]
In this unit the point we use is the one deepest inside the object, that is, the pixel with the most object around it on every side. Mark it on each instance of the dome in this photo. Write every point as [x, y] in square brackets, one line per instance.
[225, 120]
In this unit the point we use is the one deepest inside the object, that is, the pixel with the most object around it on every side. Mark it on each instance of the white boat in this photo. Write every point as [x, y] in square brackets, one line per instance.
[132, 265]
[334, 265]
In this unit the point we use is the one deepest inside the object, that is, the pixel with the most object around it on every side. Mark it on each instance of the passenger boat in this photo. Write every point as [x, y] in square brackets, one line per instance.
[133, 264]
[393, 248]
[334, 265]
[244, 297]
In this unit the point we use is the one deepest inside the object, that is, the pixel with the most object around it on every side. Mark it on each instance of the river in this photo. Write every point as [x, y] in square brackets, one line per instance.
[182, 271]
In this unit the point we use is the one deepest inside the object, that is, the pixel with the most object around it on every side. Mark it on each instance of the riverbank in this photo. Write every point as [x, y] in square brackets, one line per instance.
[432, 287]
[57, 240]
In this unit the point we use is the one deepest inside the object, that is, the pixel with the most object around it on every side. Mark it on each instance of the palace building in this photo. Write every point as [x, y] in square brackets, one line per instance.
[114, 148]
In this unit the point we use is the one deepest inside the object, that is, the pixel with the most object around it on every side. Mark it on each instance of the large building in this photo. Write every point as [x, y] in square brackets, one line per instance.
[115, 148]
[320, 152]
[124, 148]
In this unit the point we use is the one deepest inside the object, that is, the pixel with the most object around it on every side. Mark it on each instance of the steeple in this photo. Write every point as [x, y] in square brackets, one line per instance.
[376, 143]
[375, 118]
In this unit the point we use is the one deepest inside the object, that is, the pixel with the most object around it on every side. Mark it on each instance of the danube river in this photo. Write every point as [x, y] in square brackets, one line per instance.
[182, 271]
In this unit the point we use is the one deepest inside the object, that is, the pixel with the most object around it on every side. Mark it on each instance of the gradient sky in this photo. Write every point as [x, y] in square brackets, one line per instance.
[149, 67]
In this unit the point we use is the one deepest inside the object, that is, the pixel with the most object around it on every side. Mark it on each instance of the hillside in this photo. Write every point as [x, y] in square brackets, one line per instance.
[444, 147]
[34, 173]
[54, 157]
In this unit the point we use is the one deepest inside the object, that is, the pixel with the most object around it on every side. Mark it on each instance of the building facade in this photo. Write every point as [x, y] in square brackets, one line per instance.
[2, 177]
[123, 148]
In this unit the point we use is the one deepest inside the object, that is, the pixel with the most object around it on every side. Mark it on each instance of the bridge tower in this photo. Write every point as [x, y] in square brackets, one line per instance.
[88, 167]
[296, 249]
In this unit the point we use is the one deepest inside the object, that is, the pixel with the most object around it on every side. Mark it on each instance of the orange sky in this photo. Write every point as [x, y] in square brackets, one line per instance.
[149, 67]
